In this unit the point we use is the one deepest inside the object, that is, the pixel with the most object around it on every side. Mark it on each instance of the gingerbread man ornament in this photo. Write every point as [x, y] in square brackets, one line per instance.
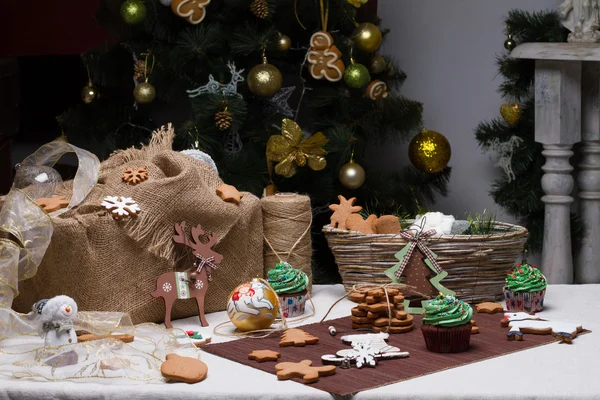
[324, 58]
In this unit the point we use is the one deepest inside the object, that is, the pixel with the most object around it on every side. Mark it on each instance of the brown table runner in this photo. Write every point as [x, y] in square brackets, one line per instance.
[489, 343]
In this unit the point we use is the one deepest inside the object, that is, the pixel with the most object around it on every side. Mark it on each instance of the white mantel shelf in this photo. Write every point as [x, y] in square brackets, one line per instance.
[558, 51]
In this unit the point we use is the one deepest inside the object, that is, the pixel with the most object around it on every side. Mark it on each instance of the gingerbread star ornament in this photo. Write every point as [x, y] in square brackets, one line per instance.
[229, 193]
[342, 211]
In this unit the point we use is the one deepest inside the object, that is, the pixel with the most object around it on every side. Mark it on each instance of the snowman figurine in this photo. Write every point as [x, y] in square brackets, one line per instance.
[57, 315]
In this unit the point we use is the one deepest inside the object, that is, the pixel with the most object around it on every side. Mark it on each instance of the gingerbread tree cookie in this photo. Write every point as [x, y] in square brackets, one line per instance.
[342, 211]
[297, 337]
[324, 58]
[304, 370]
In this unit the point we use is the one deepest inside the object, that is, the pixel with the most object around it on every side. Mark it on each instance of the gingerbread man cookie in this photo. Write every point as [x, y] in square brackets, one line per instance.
[324, 58]
[297, 337]
[342, 211]
[304, 370]
[193, 11]
[355, 222]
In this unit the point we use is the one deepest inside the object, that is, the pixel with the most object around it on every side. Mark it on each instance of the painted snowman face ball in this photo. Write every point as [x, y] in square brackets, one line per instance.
[66, 311]
[252, 306]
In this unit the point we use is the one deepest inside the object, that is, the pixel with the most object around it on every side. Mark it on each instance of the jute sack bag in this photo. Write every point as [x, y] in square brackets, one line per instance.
[109, 265]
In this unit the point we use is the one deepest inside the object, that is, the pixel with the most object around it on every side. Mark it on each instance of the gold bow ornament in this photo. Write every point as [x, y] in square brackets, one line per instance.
[290, 151]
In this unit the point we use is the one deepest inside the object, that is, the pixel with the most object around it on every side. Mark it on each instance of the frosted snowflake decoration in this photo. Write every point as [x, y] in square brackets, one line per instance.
[198, 284]
[363, 354]
[120, 207]
[167, 287]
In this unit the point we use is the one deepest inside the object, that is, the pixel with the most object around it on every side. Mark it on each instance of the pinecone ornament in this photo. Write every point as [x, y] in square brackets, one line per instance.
[260, 8]
[223, 120]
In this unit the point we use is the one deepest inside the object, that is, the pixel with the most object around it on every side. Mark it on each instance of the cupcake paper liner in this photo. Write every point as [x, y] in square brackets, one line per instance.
[453, 339]
[292, 304]
[524, 301]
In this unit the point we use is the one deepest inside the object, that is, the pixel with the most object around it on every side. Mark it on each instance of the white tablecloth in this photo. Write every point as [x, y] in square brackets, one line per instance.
[555, 371]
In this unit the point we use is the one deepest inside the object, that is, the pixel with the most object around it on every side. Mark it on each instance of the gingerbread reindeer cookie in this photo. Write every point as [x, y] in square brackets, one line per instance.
[324, 58]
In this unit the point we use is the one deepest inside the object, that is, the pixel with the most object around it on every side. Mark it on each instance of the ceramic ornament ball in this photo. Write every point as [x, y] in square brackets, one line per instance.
[252, 306]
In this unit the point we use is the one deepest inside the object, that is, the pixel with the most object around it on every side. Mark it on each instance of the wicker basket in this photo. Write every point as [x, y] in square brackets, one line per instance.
[476, 264]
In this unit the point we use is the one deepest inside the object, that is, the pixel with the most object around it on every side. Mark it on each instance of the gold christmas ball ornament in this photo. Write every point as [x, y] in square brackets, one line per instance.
[510, 44]
[356, 76]
[264, 80]
[511, 113]
[144, 93]
[352, 175]
[284, 43]
[88, 93]
[367, 37]
[252, 306]
[133, 11]
[429, 151]
[378, 64]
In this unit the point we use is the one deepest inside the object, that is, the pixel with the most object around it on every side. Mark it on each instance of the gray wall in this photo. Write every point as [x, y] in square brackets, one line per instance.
[448, 50]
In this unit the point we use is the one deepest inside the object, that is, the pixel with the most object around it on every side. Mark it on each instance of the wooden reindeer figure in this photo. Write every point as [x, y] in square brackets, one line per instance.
[194, 282]
[522, 322]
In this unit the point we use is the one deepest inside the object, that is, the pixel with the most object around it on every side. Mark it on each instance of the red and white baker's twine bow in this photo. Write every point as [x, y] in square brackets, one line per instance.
[415, 241]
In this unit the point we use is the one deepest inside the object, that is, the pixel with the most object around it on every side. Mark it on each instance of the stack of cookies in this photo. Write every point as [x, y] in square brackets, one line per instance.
[373, 313]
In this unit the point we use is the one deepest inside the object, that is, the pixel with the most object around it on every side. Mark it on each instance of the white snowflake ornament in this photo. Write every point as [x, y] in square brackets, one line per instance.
[121, 207]
[363, 354]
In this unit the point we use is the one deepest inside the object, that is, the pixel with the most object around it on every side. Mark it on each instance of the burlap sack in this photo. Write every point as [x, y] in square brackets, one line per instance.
[108, 265]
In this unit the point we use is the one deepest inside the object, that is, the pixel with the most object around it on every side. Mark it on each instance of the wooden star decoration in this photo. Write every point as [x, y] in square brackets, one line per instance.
[264, 355]
[52, 203]
[229, 193]
[342, 211]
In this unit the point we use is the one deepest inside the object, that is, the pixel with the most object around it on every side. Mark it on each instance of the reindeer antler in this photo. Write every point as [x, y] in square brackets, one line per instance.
[181, 236]
[212, 239]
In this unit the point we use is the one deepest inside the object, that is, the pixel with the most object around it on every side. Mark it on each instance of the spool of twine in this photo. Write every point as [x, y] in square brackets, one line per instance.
[287, 218]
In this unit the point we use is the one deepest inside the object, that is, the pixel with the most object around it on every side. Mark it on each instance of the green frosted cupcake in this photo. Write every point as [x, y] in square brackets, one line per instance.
[525, 289]
[447, 325]
[290, 285]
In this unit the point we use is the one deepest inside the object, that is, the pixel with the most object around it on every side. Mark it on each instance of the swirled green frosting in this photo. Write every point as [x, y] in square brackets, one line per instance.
[447, 311]
[285, 279]
[525, 278]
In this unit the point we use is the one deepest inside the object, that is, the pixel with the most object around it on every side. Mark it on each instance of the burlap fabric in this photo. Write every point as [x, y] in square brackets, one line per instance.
[109, 265]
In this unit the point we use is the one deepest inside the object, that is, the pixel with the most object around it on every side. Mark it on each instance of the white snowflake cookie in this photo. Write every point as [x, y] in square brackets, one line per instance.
[121, 207]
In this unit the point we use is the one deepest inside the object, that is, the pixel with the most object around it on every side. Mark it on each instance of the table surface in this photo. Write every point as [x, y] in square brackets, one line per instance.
[554, 371]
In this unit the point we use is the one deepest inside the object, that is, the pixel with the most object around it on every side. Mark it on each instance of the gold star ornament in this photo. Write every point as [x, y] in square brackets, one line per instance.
[289, 151]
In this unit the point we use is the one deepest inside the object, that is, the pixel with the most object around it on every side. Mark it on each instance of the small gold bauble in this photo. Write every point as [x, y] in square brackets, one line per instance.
[352, 175]
[88, 93]
[367, 37]
[264, 80]
[511, 113]
[429, 151]
[144, 93]
[133, 11]
[356, 76]
[378, 64]
[510, 44]
[284, 43]
[252, 306]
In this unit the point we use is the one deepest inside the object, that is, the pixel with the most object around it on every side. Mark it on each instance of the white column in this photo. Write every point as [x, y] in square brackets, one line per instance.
[587, 264]
[557, 127]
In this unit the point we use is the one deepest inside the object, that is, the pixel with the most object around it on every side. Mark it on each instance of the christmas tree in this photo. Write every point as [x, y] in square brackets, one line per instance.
[228, 72]
[512, 135]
